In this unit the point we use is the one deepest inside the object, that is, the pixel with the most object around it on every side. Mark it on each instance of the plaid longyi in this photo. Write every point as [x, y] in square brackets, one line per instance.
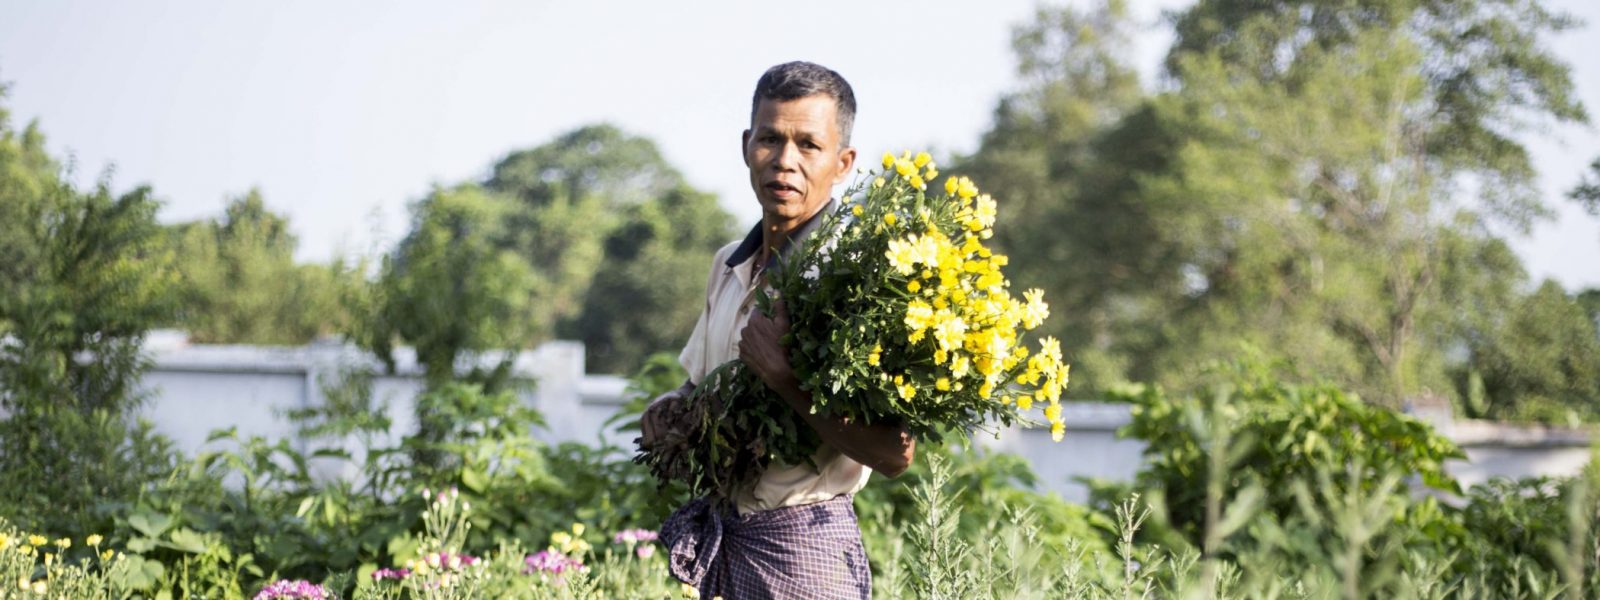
[806, 551]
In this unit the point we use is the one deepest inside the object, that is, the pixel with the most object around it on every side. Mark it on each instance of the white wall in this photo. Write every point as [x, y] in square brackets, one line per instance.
[195, 389]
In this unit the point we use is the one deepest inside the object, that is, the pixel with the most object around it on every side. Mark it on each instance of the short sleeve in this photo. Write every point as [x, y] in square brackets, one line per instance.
[693, 356]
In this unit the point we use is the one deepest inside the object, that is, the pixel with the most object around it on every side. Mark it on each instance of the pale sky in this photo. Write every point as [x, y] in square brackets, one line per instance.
[343, 112]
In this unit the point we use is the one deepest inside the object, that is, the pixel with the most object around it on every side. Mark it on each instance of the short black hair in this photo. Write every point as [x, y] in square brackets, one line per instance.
[798, 79]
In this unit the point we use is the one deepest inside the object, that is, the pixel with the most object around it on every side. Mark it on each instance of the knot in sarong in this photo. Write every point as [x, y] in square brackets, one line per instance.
[693, 535]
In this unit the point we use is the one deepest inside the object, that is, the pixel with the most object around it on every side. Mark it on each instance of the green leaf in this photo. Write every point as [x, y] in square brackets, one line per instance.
[149, 523]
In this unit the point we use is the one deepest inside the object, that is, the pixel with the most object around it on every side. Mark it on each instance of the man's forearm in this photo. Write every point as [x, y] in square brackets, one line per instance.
[885, 448]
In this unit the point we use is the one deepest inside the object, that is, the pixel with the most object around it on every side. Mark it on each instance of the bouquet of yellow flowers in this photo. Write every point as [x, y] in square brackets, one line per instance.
[899, 313]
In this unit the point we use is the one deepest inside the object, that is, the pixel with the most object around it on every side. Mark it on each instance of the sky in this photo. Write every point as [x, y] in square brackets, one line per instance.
[344, 112]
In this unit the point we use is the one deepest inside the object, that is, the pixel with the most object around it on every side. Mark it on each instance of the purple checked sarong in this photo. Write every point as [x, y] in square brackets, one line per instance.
[807, 551]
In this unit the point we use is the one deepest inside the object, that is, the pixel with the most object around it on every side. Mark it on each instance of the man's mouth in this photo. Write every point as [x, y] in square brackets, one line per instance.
[780, 189]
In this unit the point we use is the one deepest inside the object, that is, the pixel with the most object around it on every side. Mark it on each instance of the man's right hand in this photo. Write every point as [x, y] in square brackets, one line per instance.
[658, 421]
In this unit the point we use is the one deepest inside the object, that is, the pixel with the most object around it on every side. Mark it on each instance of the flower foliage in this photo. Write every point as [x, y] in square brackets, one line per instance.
[900, 313]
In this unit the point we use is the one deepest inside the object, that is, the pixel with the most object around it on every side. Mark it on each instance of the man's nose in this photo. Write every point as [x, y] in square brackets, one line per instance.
[788, 158]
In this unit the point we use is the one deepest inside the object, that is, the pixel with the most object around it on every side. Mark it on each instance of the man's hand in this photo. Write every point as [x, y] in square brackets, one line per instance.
[658, 421]
[885, 448]
[761, 346]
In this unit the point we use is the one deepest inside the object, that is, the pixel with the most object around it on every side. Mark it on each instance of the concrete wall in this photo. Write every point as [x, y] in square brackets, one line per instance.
[195, 389]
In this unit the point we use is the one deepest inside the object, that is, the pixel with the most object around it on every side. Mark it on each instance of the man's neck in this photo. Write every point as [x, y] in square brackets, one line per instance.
[775, 232]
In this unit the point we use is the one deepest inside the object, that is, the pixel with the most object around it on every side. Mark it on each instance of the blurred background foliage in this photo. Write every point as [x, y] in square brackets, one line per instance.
[1323, 182]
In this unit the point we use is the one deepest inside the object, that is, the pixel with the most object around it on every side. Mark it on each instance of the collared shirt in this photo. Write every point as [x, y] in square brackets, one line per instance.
[730, 298]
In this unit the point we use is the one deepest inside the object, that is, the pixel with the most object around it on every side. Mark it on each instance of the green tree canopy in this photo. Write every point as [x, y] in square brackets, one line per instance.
[453, 287]
[1318, 178]
[621, 239]
[83, 276]
[241, 284]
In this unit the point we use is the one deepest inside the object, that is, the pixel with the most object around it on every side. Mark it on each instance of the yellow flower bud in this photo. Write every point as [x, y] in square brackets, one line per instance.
[888, 160]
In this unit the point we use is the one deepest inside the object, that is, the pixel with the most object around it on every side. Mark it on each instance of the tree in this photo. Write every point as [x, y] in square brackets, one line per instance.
[84, 277]
[621, 240]
[1036, 159]
[452, 288]
[240, 282]
[1539, 361]
[650, 285]
[1299, 187]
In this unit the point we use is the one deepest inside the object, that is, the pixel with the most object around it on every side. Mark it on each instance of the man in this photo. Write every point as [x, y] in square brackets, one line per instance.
[794, 533]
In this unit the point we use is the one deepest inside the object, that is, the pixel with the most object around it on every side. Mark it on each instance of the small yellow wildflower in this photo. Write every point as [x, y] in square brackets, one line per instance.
[890, 219]
[856, 210]
[874, 357]
[951, 185]
[93, 540]
[40, 588]
[37, 540]
[908, 391]
[1058, 430]
[888, 160]
[942, 384]
[918, 183]
[913, 286]
[64, 543]
[878, 183]
[922, 158]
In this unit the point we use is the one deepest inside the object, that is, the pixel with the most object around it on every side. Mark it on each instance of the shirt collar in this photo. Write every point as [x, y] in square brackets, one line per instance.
[752, 241]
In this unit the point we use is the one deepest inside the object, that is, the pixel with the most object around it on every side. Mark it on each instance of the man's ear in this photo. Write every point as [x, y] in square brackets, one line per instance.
[847, 163]
[744, 148]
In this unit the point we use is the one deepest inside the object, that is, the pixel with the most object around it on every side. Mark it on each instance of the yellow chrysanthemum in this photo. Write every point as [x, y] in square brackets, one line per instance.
[966, 189]
[1035, 311]
[922, 158]
[888, 160]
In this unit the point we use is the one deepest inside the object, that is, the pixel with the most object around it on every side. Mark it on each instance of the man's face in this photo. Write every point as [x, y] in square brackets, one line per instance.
[795, 156]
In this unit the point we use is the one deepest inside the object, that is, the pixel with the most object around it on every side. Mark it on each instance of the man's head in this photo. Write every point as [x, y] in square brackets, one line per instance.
[798, 143]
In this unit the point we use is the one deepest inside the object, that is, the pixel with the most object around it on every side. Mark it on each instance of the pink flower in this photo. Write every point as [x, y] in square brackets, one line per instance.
[292, 590]
[395, 574]
[634, 536]
[554, 563]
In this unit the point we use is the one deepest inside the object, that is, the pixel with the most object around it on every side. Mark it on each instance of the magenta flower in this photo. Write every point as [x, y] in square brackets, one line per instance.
[394, 574]
[634, 536]
[554, 563]
[292, 590]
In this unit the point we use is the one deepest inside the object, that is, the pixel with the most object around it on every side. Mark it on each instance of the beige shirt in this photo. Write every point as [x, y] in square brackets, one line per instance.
[730, 299]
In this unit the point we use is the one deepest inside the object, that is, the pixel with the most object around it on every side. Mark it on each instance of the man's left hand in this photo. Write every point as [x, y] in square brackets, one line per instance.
[761, 346]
